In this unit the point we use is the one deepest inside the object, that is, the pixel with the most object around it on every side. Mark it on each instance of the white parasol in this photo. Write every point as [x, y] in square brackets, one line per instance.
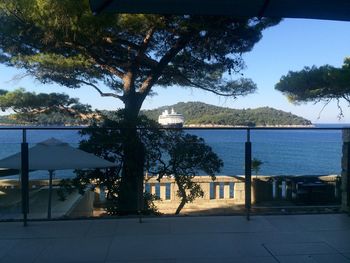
[53, 154]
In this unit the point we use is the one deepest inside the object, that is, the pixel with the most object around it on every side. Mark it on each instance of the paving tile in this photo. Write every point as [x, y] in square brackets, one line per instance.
[227, 259]
[25, 250]
[13, 230]
[53, 229]
[323, 222]
[217, 245]
[340, 240]
[282, 223]
[204, 225]
[103, 228]
[205, 245]
[218, 225]
[255, 224]
[326, 258]
[59, 229]
[145, 260]
[130, 228]
[135, 248]
[280, 249]
[338, 258]
[296, 259]
[277, 237]
[5, 246]
[180, 239]
[251, 248]
[76, 250]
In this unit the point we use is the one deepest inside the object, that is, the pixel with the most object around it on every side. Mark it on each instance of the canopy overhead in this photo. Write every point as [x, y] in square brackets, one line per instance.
[53, 154]
[314, 9]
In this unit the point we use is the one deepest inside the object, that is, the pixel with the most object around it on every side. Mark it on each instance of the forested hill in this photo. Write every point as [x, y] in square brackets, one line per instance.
[198, 113]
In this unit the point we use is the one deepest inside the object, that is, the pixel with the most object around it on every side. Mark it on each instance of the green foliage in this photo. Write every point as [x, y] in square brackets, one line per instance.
[42, 108]
[167, 153]
[187, 155]
[106, 139]
[201, 113]
[8, 120]
[62, 42]
[256, 165]
[317, 84]
[149, 207]
[65, 188]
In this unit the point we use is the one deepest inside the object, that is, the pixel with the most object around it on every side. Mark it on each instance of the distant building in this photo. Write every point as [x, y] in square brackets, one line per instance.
[172, 119]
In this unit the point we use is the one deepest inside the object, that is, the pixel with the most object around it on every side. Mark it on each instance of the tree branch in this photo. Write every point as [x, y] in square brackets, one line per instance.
[323, 107]
[14, 13]
[211, 90]
[103, 94]
[130, 76]
[132, 45]
[341, 114]
[110, 69]
[346, 97]
[163, 62]
[96, 58]
[196, 85]
[146, 41]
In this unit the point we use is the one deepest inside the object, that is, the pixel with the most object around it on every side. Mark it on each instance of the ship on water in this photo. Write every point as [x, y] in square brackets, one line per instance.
[171, 120]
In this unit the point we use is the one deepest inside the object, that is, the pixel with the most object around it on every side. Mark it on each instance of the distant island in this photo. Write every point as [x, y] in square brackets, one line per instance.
[196, 114]
[199, 114]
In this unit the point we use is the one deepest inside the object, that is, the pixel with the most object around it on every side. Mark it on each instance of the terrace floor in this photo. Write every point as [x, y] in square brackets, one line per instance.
[263, 239]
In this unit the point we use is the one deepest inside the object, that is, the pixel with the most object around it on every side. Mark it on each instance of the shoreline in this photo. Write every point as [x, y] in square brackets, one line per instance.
[184, 126]
[243, 126]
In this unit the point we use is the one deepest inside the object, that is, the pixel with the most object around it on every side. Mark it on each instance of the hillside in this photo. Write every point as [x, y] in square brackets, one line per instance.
[198, 113]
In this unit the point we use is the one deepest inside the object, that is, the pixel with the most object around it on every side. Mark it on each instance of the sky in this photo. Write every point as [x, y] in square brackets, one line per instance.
[291, 45]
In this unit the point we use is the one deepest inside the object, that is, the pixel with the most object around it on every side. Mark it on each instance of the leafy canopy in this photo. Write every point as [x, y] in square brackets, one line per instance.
[317, 84]
[30, 106]
[187, 156]
[62, 42]
[168, 152]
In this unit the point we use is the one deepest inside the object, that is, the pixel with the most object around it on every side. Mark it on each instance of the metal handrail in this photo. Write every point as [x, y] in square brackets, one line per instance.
[248, 151]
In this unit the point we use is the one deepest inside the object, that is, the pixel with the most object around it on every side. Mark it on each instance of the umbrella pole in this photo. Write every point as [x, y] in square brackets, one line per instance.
[24, 178]
[50, 195]
[140, 198]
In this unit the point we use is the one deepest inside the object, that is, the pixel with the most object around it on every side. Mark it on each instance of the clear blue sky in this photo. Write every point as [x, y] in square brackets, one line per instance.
[291, 45]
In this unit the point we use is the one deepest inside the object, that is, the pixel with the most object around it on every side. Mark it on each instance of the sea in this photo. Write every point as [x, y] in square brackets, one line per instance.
[281, 151]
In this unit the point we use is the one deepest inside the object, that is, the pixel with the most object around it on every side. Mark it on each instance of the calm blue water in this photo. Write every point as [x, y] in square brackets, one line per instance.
[283, 152]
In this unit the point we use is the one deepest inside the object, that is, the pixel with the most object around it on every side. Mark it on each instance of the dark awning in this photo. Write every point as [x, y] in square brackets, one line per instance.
[315, 9]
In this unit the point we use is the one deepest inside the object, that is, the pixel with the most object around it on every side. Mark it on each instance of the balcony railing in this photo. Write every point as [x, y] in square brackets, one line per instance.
[303, 169]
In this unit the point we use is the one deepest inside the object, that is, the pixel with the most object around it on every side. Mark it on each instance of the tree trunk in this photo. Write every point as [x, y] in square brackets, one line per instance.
[181, 205]
[182, 195]
[130, 198]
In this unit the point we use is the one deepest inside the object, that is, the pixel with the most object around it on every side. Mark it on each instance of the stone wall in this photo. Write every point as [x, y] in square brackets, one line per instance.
[224, 192]
[227, 193]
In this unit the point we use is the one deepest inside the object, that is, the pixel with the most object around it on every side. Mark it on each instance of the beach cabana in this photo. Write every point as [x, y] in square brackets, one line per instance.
[53, 154]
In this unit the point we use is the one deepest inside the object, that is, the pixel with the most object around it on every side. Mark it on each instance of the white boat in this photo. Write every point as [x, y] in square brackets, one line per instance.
[172, 119]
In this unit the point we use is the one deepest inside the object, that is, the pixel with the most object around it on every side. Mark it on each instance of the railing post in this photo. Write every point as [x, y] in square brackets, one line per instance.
[24, 176]
[274, 195]
[345, 174]
[248, 174]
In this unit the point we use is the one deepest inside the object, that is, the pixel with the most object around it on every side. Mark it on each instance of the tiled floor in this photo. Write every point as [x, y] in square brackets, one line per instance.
[264, 239]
